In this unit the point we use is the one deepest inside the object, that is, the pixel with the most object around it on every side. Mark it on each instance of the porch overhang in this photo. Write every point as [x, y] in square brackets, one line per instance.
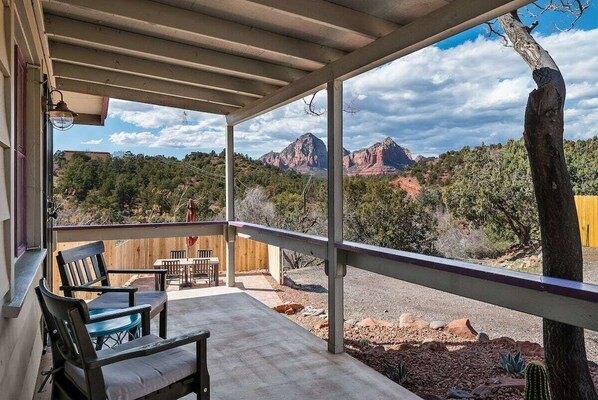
[237, 58]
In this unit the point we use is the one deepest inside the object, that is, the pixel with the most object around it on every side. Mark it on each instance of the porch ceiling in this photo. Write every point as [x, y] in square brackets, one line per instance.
[238, 58]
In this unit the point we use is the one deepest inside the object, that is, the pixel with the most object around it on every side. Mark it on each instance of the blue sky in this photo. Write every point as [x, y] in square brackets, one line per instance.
[467, 90]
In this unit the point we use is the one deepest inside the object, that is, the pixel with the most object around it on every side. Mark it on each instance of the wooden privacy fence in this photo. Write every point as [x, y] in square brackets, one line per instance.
[141, 253]
[587, 214]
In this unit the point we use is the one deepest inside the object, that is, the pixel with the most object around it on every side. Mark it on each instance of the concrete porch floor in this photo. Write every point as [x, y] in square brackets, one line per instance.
[256, 353]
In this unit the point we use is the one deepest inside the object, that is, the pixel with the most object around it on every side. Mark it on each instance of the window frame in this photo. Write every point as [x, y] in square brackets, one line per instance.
[20, 152]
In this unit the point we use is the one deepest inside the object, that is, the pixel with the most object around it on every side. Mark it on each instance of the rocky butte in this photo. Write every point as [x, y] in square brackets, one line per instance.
[308, 155]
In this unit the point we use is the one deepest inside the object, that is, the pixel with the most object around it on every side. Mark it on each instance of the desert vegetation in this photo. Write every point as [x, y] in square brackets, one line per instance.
[473, 203]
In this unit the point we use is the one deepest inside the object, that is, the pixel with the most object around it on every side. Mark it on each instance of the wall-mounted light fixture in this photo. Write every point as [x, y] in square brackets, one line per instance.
[60, 116]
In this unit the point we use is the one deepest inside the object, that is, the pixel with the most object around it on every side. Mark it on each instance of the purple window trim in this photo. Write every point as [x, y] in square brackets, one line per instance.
[20, 160]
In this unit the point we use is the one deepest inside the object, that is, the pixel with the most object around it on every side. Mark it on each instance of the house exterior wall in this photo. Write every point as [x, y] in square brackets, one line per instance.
[20, 332]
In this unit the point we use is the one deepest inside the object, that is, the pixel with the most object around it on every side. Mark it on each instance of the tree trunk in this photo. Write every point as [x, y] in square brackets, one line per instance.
[564, 346]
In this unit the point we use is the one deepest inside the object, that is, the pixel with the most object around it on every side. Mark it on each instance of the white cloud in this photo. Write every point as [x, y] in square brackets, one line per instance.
[135, 139]
[98, 141]
[431, 101]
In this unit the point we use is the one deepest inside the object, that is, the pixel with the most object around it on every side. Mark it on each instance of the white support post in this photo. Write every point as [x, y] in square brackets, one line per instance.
[335, 266]
[229, 236]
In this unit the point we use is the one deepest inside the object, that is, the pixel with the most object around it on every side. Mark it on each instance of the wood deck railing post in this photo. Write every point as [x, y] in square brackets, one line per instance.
[229, 237]
[335, 267]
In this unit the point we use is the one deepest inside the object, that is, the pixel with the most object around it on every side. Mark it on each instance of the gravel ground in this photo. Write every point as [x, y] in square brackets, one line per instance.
[372, 295]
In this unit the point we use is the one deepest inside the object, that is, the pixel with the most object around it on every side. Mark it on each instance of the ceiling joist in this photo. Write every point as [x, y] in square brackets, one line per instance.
[114, 78]
[101, 37]
[203, 30]
[140, 96]
[155, 69]
[331, 15]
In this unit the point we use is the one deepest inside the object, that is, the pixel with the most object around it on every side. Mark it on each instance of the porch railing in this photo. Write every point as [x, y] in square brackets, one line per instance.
[561, 300]
[138, 246]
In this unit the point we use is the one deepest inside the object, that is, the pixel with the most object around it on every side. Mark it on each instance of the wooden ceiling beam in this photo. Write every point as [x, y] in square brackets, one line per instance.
[101, 37]
[140, 96]
[178, 23]
[120, 79]
[332, 15]
[155, 69]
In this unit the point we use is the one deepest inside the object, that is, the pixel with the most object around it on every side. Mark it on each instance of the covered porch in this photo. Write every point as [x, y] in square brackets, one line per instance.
[239, 59]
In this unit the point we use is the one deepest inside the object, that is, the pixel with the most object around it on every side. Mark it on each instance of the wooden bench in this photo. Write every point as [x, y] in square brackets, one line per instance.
[83, 269]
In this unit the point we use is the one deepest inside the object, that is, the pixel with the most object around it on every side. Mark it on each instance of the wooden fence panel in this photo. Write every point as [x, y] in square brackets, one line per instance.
[141, 253]
[587, 214]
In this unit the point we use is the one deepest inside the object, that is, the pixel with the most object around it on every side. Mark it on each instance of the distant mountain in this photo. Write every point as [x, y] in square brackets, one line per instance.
[385, 157]
[308, 154]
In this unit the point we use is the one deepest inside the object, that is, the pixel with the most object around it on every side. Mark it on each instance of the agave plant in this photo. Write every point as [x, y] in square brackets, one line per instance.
[397, 372]
[512, 363]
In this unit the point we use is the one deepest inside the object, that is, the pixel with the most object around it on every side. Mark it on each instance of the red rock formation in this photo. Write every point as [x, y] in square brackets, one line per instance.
[385, 157]
[307, 154]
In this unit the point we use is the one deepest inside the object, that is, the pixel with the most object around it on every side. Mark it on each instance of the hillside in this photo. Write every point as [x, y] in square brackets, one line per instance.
[135, 188]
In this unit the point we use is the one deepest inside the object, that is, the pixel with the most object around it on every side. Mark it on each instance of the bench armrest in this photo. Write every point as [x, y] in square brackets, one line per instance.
[137, 271]
[149, 349]
[160, 279]
[143, 309]
[104, 289]
[121, 289]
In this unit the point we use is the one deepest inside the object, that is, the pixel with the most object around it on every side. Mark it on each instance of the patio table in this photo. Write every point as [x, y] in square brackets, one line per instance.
[188, 262]
[113, 331]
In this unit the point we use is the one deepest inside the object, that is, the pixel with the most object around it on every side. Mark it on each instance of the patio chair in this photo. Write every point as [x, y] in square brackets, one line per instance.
[83, 267]
[148, 367]
[202, 269]
[174, 269]
[204, 253]
[178, 253]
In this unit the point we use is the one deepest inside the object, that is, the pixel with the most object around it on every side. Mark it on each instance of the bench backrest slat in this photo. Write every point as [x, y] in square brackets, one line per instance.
[74, 266]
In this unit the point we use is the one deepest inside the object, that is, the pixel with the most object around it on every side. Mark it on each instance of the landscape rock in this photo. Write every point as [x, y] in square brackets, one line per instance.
[432, 345]
[488, 389]
[437, 325]
[369, 322]
[288, 308]
[482, 337]
[529, 349]
[461, 328]
[312, 311]
[408, 320]
[321, 325]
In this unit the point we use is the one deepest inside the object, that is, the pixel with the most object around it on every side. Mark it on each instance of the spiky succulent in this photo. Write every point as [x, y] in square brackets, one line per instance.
[512, 363]
[536, 382]
[397, 372]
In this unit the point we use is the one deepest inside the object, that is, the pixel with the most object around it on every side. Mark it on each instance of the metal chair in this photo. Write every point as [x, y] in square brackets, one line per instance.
[148, 367]
[82, 267]
[174, 269]
[204, 253]
[178, 253]
[202, 269]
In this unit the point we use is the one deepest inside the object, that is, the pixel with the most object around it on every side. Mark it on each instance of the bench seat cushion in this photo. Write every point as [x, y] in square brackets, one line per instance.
[138, 377]
[121, 300]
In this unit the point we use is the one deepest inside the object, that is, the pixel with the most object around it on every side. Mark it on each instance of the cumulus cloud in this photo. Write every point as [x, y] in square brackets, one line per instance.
[98, 141]
[431, 101]
[133, 138]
